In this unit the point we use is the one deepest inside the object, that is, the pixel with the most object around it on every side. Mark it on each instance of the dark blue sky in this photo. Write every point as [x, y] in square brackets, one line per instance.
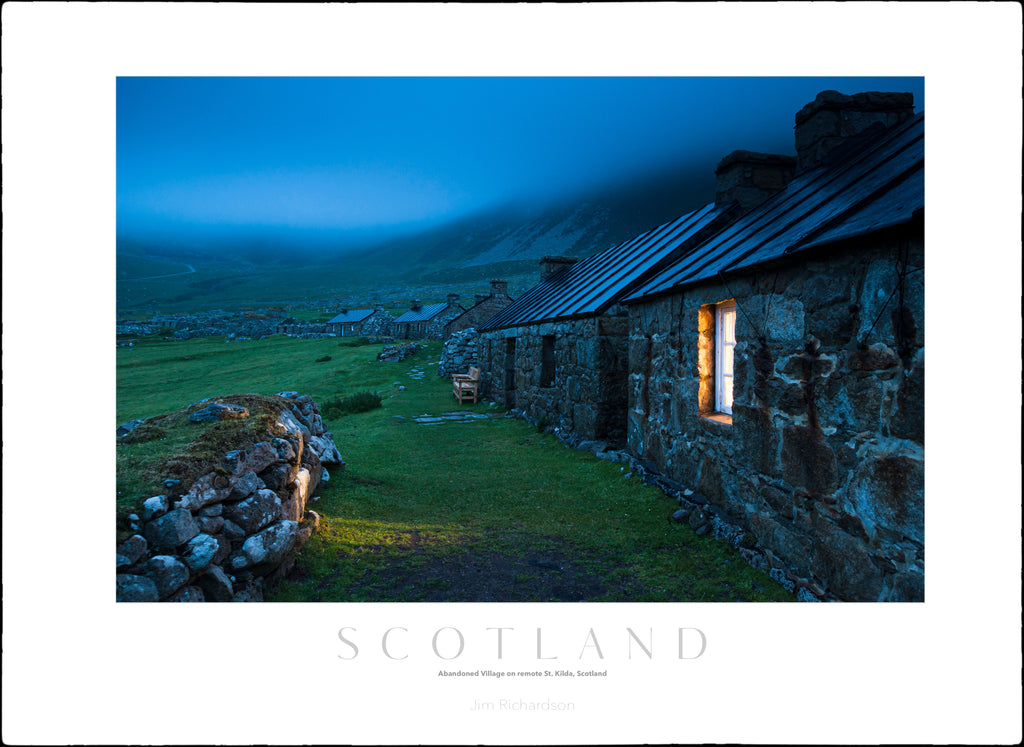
[212, 158]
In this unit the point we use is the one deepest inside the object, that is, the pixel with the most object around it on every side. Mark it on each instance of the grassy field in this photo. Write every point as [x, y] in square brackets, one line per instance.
[484, 509]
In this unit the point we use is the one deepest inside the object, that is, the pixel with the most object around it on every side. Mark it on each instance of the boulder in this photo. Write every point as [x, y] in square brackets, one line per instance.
[214, 412]
[216, 585]
[269, 547]
[155, 507]
[208, 489]
[255, 459]
[133, 549]
[278, 477]
[125, 428]
[167, 572]
[199, 552]
[291, 424]
[325, 449]
[132, 588]
[245, 486]
[255, 512]
[171, 530]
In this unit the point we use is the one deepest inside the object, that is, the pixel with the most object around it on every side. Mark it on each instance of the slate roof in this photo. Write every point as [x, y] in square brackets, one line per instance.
[877, 185]
[351, 315]
[591, 286]
[422, 314]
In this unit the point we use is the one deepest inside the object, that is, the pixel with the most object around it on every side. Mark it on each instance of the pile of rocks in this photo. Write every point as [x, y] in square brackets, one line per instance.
[459, 353]
[395, 353]
[236, 529]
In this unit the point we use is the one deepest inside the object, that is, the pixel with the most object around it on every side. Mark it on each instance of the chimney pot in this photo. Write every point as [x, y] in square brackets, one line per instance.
[453, 298]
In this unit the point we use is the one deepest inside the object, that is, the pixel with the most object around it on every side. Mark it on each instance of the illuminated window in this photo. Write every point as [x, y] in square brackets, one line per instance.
[725, 343]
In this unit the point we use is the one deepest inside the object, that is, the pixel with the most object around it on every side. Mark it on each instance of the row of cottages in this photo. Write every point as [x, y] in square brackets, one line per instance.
[375, 322]
[766, 350]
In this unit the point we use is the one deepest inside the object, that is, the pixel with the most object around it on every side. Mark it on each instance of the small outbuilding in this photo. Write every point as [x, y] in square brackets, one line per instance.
[374, 322]
[427, 322]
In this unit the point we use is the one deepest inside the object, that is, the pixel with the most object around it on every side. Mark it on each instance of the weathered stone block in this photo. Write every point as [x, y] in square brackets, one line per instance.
[268, 547]
[133, 549]
[167, 572]
[208, 489]
[171, 530]
[255, 512]
[199, 551]
[155, 507]
[255, 459]
[214, 412]
[216, 585]
[132, 588]
[279, 476]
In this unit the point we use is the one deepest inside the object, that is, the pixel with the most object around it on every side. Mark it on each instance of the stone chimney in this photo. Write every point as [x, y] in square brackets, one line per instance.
[550, 265]
[499, 287]
[453, 299]
[833, 118]
[751, 178]
[378, 307]
[415, 305]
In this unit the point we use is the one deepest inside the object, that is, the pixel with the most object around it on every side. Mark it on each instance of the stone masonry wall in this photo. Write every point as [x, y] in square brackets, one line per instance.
[436, 327]
[588, 396]
[824, 459]
[460, 351]
[237, 528]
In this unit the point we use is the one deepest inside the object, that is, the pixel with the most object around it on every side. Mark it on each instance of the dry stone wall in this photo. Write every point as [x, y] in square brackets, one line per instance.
[460, 351]
[823, 462]
[236, 529]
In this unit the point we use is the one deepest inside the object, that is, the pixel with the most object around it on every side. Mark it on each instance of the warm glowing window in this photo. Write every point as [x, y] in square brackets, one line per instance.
[725, 343]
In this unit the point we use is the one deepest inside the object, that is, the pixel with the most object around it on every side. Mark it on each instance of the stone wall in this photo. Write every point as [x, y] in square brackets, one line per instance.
[823, 461]
[460, 351]
[588, 394]
[236, 529]
[436, 327]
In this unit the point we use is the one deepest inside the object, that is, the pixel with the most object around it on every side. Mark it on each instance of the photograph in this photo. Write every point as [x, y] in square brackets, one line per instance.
[520, 339]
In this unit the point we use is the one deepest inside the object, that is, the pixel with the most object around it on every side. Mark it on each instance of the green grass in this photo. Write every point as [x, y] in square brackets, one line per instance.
[437, 512]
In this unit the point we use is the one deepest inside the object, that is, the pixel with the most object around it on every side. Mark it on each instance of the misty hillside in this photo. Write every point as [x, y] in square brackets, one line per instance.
[458, 257]
[516, 237]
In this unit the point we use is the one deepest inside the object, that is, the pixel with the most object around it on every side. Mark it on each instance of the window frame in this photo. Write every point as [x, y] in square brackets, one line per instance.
[722, 310]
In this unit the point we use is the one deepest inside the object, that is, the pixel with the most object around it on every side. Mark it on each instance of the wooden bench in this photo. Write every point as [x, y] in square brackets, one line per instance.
[464, 385]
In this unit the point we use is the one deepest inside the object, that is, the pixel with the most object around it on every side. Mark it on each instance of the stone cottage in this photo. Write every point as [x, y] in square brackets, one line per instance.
[427, 322]
[485, 307]
[374, 322]
[559, 353]
[777, 368]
